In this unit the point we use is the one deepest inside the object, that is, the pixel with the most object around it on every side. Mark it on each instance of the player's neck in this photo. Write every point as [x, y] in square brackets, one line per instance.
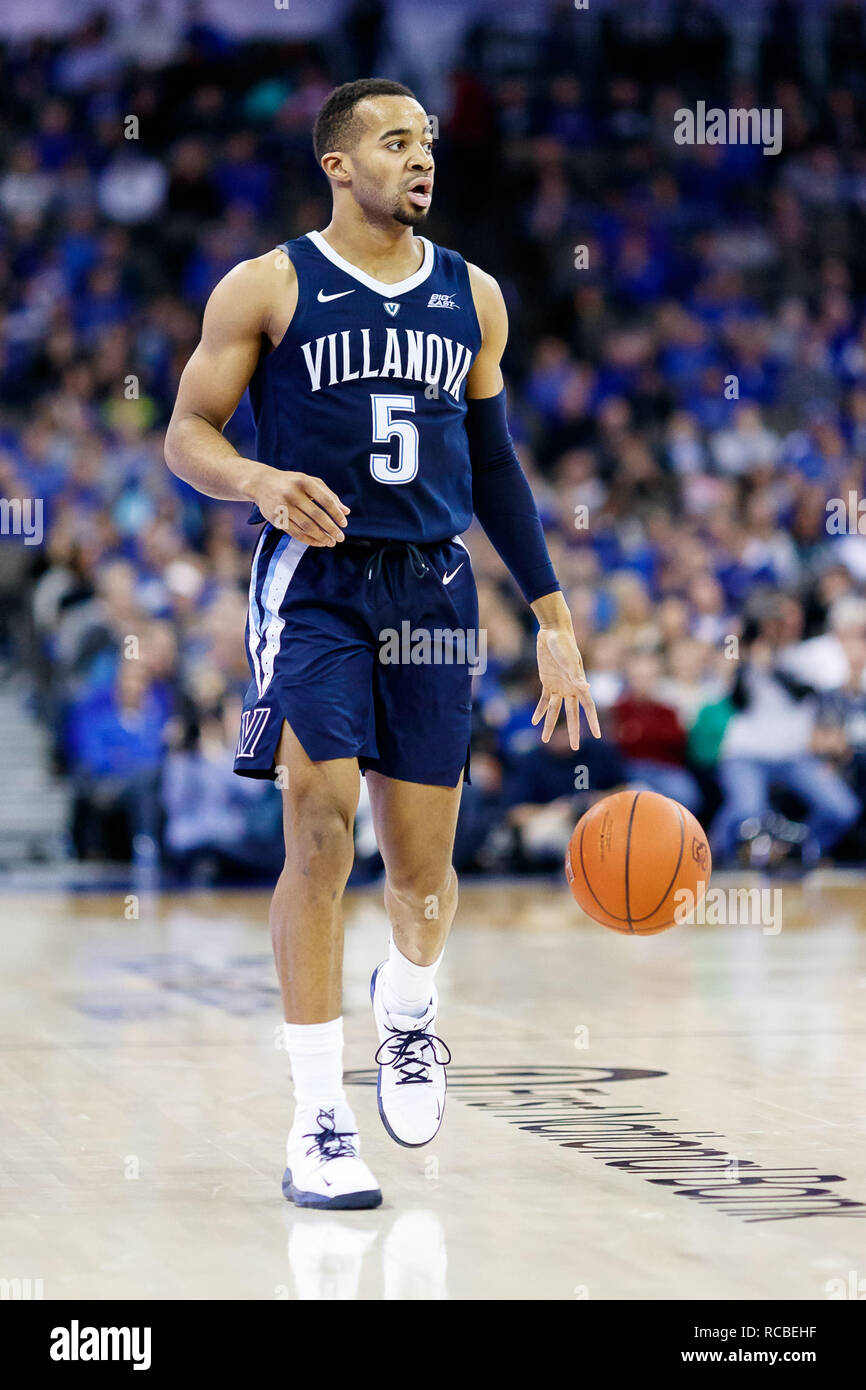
[388, 251]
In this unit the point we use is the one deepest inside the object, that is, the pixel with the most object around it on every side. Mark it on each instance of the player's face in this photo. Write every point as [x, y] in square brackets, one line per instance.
[392, 164]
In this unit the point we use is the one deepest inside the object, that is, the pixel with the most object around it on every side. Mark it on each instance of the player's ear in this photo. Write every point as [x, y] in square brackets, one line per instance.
[336, 167]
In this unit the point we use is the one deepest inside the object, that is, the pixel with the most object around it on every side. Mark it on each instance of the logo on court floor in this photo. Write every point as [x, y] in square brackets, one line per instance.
[253, 722]
[568, 1106]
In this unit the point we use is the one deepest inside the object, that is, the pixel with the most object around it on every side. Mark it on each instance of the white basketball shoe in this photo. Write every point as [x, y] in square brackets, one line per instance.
[412, 1061]
[324, 1168]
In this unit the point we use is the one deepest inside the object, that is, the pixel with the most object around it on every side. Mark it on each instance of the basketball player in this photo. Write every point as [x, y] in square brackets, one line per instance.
[372, 358]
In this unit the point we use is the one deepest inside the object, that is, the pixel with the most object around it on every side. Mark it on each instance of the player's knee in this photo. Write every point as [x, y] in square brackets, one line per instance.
[319, 828]
[421, 891]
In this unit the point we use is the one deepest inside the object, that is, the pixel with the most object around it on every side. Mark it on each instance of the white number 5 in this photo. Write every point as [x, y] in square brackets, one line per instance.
[385, 428]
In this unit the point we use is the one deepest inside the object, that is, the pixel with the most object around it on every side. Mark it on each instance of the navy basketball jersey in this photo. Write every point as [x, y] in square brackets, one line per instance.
[367, 391]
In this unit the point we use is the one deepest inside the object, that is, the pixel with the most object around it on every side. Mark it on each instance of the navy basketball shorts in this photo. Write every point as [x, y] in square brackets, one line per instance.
[367, 649]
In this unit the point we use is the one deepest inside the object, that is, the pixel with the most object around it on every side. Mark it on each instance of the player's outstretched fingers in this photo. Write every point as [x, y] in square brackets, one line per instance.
[541, 706]
[553, 708]
[572, 715]
[589, 709]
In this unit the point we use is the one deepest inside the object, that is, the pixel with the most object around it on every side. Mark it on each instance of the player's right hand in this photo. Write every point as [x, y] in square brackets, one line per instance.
[301, 505]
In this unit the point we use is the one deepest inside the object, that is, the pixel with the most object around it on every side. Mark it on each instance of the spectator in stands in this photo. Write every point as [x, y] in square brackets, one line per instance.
[118, 751]
[768, 744]
[217, 825]
[840, 728]
[546, 788]
[649, 735]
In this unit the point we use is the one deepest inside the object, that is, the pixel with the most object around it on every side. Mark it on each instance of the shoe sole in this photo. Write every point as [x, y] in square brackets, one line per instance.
[347, 1201]
[404, 1143]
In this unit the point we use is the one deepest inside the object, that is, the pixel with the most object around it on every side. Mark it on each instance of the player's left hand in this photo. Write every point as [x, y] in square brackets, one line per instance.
[563, 680]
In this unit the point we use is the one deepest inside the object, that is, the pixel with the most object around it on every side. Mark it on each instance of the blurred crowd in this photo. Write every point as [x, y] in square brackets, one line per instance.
[687, 387]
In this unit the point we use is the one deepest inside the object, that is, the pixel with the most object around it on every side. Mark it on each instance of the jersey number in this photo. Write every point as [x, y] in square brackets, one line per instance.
[386, 428]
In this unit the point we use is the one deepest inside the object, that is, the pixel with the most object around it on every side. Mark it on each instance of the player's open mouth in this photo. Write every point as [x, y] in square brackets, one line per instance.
[420, 192]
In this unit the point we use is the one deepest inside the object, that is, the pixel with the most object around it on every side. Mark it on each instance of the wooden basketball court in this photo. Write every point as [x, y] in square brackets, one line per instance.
[675, 1117]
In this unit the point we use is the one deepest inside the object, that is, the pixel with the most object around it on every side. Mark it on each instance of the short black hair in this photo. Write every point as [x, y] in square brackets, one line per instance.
[333, 127]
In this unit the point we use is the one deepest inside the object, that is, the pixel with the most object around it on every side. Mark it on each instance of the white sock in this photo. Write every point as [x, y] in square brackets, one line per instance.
[316, 1056]
[407, 987]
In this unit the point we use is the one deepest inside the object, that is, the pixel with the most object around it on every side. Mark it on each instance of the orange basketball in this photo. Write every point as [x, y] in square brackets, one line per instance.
[630, 855]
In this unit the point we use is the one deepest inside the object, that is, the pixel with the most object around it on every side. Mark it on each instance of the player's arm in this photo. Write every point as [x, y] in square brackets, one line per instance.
[503, 503]
[213, 381]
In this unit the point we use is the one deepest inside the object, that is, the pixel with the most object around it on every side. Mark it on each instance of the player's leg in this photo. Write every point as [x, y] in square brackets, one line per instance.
[423, 711]
[415, 827]
[319, 802]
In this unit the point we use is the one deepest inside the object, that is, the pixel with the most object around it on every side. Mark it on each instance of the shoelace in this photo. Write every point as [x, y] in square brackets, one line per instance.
[403, 1058]
[329, 1141]
[419, 564]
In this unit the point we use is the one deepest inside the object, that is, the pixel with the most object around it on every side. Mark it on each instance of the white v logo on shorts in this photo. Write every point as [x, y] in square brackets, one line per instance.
[253, 723]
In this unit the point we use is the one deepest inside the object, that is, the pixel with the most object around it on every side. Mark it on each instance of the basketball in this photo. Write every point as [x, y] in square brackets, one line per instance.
[631, 855]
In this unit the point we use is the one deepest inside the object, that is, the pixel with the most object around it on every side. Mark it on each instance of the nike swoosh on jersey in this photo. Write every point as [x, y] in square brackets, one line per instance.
[323, 298]
[446, 578]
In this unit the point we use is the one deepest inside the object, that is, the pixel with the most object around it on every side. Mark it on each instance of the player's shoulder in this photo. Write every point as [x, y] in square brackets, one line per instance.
[479, 278]
[487, 296]
[246, 297]
[260, 273]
